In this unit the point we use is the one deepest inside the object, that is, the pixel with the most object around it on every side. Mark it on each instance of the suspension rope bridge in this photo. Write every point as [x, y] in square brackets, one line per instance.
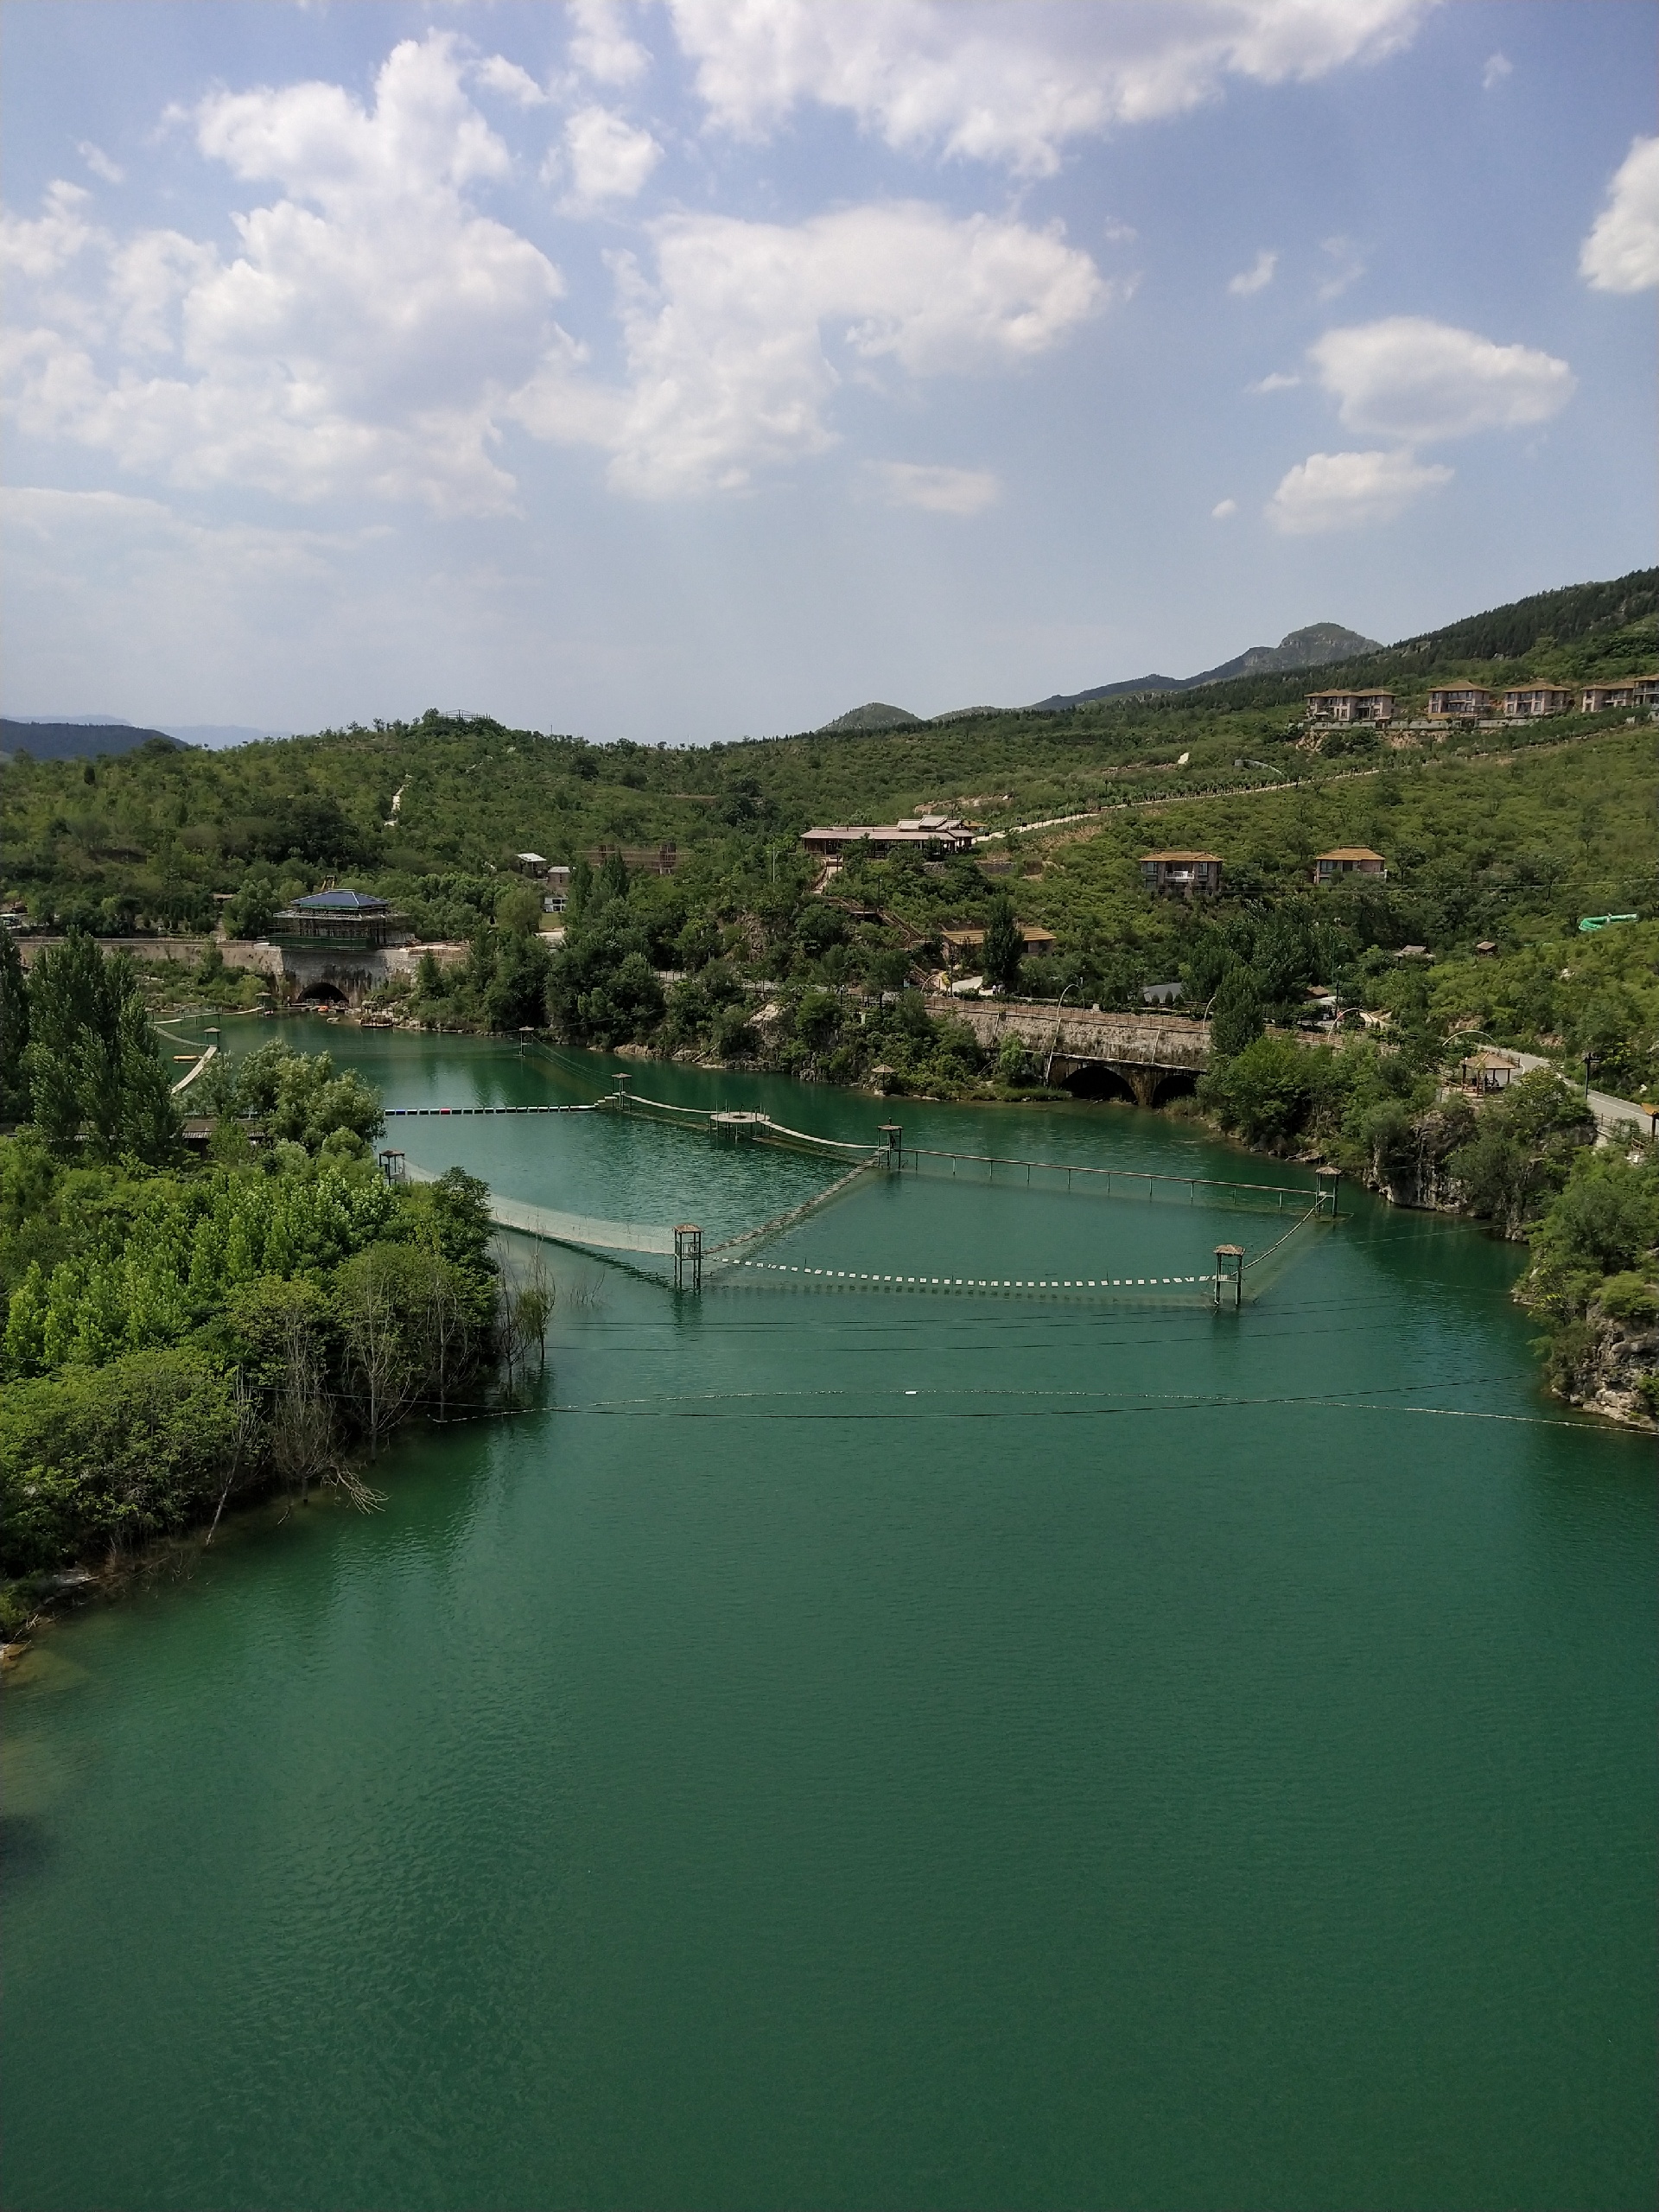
[730, 1260]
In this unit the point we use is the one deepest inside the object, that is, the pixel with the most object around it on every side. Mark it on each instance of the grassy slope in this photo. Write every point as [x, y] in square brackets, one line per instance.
[1555, 833]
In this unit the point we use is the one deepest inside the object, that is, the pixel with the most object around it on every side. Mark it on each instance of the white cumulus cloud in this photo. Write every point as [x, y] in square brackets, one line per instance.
[1256, 278]
[1344, 490]
[937, 490]
[99, 162]
[497, 74]
[372, 334]
[602, 48]
[608, 158]
[358, 340]
[733, 350]
[1223, 509]
[1622, 251]
[1409, 379]
[982, 78]
[43, 247]
[1499, 67]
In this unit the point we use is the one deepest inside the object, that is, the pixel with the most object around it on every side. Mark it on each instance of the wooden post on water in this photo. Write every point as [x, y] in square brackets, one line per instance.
[893, 1132]
[1229, 1268]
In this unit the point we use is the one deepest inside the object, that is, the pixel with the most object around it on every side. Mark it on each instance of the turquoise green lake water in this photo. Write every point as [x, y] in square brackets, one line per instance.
[854, 1748]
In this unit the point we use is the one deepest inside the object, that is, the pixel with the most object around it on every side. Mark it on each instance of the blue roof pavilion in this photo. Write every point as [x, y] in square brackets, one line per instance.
[346, 920]
[342, 902]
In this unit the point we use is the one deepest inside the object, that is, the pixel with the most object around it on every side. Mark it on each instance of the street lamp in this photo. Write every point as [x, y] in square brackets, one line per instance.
[1049, 1063]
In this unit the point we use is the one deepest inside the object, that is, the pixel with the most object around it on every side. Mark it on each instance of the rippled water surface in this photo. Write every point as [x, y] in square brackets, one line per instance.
[862, 1748]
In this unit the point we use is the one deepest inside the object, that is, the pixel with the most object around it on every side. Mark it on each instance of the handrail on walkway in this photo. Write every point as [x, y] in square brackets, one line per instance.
[190, 1074]
[1319, 1196]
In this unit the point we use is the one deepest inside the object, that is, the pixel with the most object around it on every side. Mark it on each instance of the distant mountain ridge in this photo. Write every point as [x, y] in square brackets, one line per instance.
[78, 740]
[1314, 646]
[214, 736]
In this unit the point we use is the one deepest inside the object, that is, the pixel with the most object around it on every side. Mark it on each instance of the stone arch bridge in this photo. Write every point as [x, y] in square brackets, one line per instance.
[1145, 1057]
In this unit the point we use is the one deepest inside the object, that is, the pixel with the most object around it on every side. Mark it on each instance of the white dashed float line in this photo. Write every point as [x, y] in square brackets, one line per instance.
[974, 1282]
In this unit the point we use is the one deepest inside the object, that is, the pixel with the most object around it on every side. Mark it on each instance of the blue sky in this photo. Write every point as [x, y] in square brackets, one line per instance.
[687, 370]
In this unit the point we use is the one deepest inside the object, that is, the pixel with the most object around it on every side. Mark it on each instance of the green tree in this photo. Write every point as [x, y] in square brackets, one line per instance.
[580, 894]
[1015, 1066]
[1004, 947]
[518, 910]
[94, 1064]
[1520, 1149]
[1265, 1091]
[252, 909]
[96, 1456]
[14, 1032]
[301, 1098]
[601, 988]
[1235, 1019]
[1607, 1217]
[515, 997]
[26, 1325]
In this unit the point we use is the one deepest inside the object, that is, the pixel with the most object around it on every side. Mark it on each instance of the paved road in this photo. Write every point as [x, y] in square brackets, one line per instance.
[1609, 1111]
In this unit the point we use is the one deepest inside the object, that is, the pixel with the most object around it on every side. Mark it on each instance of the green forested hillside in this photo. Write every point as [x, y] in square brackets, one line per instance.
[432, 810]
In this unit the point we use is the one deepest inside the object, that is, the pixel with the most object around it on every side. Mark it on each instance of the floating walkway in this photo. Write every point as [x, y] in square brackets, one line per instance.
[1234, 1270]
[411, 1113]
[588, 1230]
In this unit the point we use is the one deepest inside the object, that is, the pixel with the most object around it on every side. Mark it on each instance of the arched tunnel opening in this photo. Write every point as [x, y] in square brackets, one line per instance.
[1149, 1086]
[1102, 1083]
[323, 995]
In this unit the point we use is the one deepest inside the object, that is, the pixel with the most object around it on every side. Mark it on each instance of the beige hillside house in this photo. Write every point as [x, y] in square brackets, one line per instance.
[1348, 860]
[1528, 702]
[1181, 875]
[1340, 709]
[1460, 703]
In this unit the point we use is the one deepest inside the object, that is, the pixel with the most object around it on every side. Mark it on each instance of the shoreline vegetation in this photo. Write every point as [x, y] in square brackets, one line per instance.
[184, 1334]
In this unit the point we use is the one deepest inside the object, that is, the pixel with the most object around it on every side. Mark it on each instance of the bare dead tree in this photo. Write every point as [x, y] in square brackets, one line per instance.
[509, 1326]
[303, 1418]
[384, 1375]
[243, 1445]
[535, 1301]
[446, 1329]
[366, 1499]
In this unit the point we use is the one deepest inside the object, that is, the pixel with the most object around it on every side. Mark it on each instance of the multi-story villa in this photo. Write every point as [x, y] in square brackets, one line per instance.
[1350, 707]
[1460, 703]
[1182, 876]
[1623, 691]
[1526, 702]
